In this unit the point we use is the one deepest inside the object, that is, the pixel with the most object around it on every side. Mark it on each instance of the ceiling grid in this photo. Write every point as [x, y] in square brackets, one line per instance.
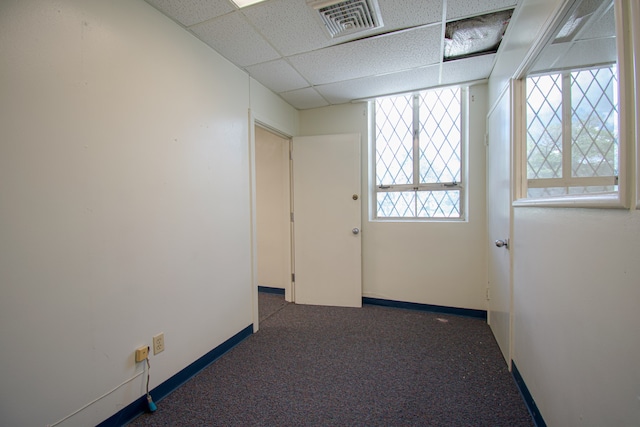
[283, 45]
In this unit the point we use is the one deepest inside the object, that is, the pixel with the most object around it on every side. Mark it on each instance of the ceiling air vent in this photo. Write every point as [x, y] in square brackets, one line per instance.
[341, 18]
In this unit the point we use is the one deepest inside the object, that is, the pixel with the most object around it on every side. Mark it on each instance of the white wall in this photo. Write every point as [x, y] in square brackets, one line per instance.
[124, 203]
[442, 263]
[576, 293]
[271, 110]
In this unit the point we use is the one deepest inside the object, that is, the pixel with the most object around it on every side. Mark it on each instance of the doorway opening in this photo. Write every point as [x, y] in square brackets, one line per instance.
[273, 212]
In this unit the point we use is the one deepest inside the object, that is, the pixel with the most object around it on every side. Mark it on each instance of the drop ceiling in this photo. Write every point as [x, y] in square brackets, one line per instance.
[283, 45]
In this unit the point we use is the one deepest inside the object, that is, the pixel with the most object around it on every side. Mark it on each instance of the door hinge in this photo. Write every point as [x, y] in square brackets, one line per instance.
[291, 216]
[488, 295]
[293, 277]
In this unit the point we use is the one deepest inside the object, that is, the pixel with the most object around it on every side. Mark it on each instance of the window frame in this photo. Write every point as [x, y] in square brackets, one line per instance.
[567, 179]
[416, 186]
[617, 199]
[634, 16]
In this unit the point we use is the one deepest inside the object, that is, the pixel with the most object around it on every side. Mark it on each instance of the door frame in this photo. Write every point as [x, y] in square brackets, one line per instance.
[254, 121]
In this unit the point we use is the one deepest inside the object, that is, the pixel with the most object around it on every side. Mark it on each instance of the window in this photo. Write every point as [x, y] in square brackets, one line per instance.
[572, 132]
[571, 152]
[419, 155]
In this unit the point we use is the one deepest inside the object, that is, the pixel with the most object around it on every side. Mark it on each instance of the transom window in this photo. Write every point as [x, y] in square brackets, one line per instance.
[418, 147]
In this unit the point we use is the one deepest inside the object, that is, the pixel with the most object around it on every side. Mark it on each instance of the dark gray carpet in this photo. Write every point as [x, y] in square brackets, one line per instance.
[269, 304]
[330, 366]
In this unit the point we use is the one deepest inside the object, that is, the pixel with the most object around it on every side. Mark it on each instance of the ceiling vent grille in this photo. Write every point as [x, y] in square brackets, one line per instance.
[341, 18]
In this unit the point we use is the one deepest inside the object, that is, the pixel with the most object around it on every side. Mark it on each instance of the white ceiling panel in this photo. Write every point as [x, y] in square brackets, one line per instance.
[277, 75]
[289, 25]
[458, 9]
[189, 12]
[236, 40]
[467, 70]
[377, 55]
[370, 87]
[411, 14]
[304, 99]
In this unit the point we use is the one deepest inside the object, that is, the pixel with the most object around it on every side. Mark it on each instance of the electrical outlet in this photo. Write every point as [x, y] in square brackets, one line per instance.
[158, 343]
[142, 353]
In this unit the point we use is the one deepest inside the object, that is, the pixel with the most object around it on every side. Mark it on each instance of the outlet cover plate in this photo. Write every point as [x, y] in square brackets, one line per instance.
[158, 343]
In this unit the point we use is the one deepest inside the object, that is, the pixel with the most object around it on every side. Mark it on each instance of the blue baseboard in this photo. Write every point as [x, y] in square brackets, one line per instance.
[139, 406]
[268, 290]
[526, 396]
[467, 312]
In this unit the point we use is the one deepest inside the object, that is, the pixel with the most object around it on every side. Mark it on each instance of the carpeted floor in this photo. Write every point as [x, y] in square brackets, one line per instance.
[331, 366]
[269, 304]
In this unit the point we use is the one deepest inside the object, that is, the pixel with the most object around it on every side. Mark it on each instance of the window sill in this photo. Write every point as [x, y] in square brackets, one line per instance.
[417, 220]
[603, 201]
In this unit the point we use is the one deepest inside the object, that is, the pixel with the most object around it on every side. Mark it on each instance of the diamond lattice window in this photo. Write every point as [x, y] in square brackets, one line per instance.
[544, 127]
[394, 133]
[572, 133]
[594, 119]
[418, 148]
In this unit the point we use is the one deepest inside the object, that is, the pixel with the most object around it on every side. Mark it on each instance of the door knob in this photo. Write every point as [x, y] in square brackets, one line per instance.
[503, 243]
[355, 231]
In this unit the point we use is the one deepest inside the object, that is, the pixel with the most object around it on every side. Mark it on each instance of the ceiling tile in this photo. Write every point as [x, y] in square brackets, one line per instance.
[189, 12]
[277, 75]
[370, 87]
[377, 55]
[468, 69]
[457, 9]
[233, 37]
[303, 99]
[289, 25]
[409, 13]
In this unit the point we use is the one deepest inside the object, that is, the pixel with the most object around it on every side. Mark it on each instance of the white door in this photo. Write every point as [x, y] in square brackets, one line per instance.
[326, 207]
[499, 223]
